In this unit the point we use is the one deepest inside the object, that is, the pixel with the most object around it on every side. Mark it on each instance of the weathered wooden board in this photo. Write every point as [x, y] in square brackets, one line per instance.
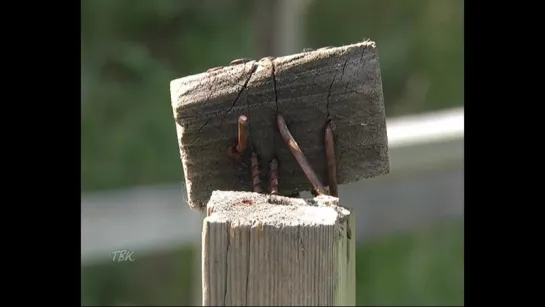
[307, 89]
[268, 250]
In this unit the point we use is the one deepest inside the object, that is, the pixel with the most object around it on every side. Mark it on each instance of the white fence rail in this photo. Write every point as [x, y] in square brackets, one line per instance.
[425, 184]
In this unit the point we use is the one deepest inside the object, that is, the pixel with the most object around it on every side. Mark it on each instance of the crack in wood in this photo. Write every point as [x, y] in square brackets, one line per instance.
[301, 89]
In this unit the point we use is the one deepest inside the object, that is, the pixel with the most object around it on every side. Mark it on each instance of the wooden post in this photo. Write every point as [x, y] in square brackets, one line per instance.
[272, 250]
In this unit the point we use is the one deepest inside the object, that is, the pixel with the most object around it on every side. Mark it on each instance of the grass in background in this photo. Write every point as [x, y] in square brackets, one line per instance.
[423, 267]
[152, 280]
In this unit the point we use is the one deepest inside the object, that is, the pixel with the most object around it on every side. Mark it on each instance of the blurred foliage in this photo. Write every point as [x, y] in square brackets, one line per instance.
[425, 267]
[152, 280]
[420, 46]
[131, 49]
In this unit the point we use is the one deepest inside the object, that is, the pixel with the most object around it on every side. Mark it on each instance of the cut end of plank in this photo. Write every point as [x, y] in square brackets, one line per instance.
[248, 208]
[342, 84]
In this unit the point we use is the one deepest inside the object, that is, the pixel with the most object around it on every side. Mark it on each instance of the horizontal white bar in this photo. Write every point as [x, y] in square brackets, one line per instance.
[430, 127]
[425, 183]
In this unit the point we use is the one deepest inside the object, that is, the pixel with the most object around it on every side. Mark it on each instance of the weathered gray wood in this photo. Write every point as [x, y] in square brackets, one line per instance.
[261, 250]
[342, 83]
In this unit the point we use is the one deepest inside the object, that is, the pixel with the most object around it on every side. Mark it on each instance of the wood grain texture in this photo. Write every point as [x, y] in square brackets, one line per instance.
[267, 250]
[307, 89]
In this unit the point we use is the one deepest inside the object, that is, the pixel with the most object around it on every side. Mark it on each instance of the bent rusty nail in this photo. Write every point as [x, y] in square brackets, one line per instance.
[235, 152]
[256, 181]
[242, 133]
[298, 155]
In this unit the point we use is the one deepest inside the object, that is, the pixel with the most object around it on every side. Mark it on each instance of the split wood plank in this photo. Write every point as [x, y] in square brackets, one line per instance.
[343, 84]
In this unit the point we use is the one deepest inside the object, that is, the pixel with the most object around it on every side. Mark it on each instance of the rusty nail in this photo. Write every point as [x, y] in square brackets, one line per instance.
[242, 133]
[298, 155]
[273, 166]
[240, 61]
[330, 159]
[256, 181]
[235, 152]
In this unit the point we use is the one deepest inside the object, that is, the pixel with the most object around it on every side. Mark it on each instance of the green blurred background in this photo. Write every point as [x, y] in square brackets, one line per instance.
[132, 49]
